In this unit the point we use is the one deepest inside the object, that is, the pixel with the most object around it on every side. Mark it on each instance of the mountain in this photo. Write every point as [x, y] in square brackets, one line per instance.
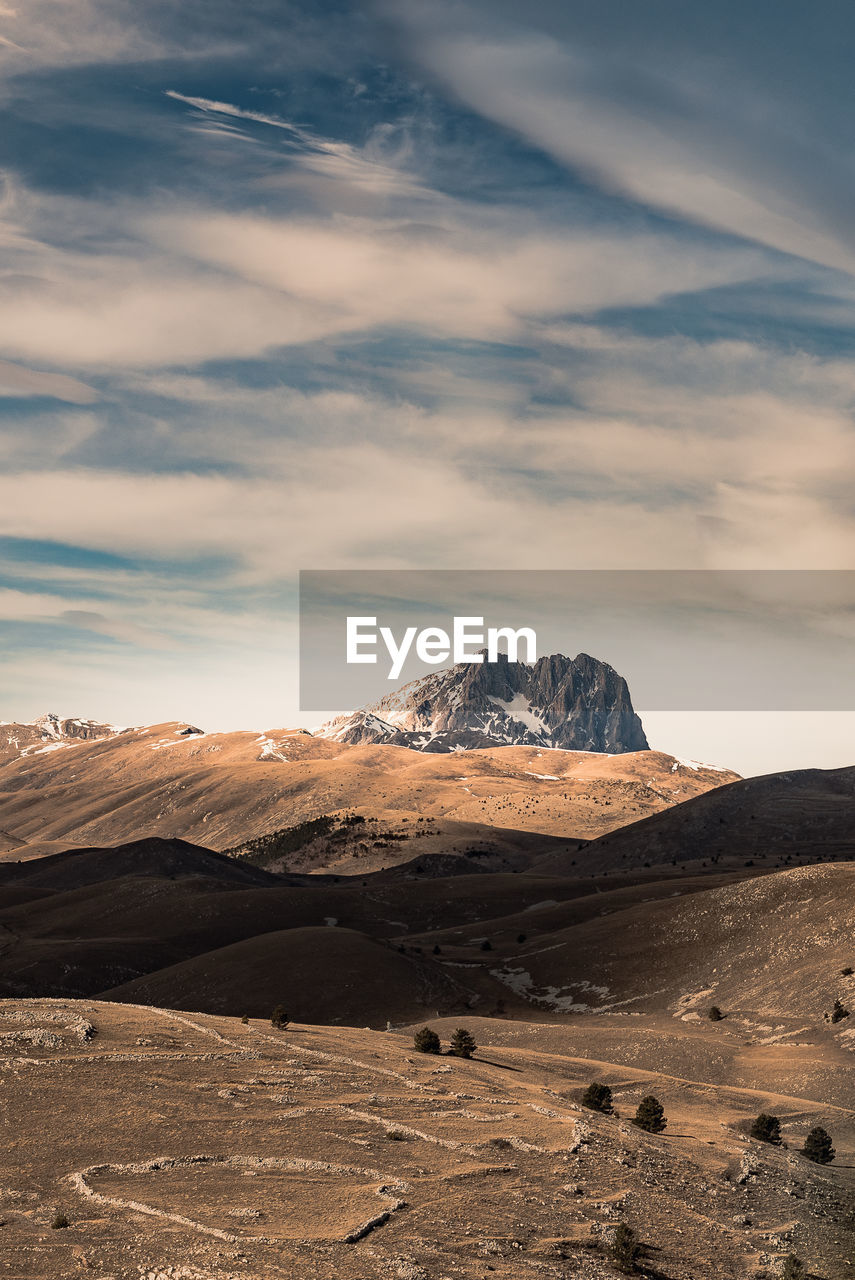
[223, 790]
[575, 704]
[49, 733]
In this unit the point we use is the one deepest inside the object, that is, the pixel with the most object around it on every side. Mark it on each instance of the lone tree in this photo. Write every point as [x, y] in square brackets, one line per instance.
[715, 1014]
[650, 1115]
[279, 1018]
[462, 1044]
[598, 1097]
[767, 1128]
[818, 1146]
[625, 1248]
[793, 1268]
[839, 1012]
[426, 1040]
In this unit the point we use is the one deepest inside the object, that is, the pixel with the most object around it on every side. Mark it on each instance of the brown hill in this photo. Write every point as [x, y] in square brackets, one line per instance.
[219, 790]
[333, 973]
[168, 859]
[157, 903]
[808, 814]
[773, 949]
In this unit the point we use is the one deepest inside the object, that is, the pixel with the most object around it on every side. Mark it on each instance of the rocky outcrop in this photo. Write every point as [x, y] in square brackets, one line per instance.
[578, 704]
[48, 733]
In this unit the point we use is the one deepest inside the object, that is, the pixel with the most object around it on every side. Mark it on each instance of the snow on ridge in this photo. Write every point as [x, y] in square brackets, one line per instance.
[695, 765]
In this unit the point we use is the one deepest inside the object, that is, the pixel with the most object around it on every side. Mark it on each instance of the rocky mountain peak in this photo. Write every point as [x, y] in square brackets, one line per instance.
[578, 704]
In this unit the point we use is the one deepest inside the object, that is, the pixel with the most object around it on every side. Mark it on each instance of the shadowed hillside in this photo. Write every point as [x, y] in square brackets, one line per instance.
[775, 819]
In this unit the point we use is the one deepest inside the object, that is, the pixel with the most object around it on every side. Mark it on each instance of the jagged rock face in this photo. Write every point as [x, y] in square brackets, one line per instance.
[52, 727]
[47, 733]
[578, 704]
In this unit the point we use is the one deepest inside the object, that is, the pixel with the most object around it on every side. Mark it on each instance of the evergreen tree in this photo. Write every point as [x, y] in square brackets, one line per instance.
[598, 1097]
[650, 1115]
[462, 1044]
[279, 1018]
[625, 1247]
[818, 1146]
[767, 1128]
[426, 1040]
[839, 1012]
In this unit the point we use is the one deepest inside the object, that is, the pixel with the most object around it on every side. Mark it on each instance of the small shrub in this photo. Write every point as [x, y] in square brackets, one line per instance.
[245, 1020]
[715, 1014]
[598, 1097]
[462, 1044]
[818, 1146]
[426, 1041]
[766, 1128]
[625, 1248]
[793, 1268]
[486, 945]
[521, 938]
[847, 972]
[59, 1220]
[839, 1012]
[650, 1115]
[279, 1018]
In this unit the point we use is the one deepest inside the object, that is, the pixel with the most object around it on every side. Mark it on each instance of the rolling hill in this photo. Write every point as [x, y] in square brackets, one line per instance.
[222, 790]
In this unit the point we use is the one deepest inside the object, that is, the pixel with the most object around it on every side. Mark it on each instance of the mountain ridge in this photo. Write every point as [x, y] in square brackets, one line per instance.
[574, 704]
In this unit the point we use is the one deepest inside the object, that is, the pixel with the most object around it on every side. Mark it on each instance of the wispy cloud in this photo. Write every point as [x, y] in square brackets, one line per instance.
[207, 105]
[16, 380]
[690, 140]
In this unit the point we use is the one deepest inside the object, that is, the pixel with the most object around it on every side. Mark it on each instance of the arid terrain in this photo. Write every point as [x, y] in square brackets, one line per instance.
[220, 790]
[580, 914]
[209, 1148]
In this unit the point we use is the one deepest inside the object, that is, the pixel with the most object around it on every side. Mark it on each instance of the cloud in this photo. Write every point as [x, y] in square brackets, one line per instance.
[677, 132]
[459, 275]
[183, 286]
[115, 628]
[41, 33]
[228, 109]
[340, 166]
[15, 380]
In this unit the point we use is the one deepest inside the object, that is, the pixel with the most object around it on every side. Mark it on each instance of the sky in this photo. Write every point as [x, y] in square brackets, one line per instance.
[409, 285]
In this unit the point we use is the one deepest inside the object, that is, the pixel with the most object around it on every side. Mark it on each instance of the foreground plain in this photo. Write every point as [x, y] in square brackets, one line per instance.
[209, 1148]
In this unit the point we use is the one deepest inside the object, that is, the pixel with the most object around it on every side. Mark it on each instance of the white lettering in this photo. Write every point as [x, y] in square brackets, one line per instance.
[462, 637]
[495, 634]
[433, 645]
[354, 639]
[398, 655]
